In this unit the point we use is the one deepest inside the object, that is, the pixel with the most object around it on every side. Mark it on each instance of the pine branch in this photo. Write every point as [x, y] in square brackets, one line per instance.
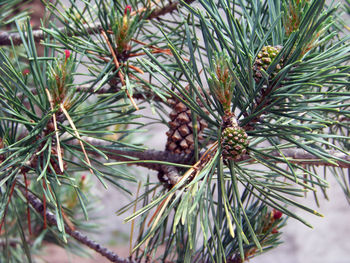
[167, 9]
[5, 37]
[297, 156]
[123, 155]
[303, 157]
[107, 89]
[169, 171]
[300, 156]
[51, 219]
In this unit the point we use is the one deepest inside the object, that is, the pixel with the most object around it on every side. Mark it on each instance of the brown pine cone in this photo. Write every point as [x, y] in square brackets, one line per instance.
[180, 134]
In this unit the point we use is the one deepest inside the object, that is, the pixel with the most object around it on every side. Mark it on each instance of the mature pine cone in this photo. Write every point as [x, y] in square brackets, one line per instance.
[264, 60]
[234, 142]
[180, 134]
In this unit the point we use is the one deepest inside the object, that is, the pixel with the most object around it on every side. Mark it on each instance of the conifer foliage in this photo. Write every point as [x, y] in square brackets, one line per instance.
[255, 96]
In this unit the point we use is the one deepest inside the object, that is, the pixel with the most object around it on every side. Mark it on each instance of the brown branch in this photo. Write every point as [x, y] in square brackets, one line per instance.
[298, 156]
[129, 155]
[5, 37]
[170, 175]
[167, 9]
[303, 157]
[169, 171]
[51, 219]
[145, 94]
[38, 35]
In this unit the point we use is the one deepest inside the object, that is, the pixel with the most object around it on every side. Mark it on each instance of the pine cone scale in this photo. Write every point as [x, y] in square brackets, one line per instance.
[180, 134]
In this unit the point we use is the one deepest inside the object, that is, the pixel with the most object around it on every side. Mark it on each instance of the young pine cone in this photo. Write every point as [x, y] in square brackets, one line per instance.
[234, 143]
[180, 134]
[264, 60]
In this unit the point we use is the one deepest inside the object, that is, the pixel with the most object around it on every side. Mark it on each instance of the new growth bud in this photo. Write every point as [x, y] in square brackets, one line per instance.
[25, 72]
[221, 81]
[67, 54]
[127, 10]
[277, 214]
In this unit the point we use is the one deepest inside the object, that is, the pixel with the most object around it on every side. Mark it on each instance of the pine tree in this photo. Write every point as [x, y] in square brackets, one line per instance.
[255, 95]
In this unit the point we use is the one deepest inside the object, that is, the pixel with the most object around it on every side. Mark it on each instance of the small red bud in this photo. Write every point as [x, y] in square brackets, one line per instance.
[127, 9]
[25, 72]
[67, 53]
[277, 214]
[274, 231]
[83, 177]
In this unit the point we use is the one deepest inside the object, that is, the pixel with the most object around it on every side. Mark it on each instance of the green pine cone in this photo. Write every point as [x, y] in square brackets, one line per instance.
[264, 59]
[234, 142]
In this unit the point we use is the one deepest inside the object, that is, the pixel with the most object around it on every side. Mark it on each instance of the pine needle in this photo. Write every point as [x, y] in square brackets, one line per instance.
[28, 208]
[7, 204]
[77, 135]
[133, 221]
[136, 69]
[163, 205]
[58, 145]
